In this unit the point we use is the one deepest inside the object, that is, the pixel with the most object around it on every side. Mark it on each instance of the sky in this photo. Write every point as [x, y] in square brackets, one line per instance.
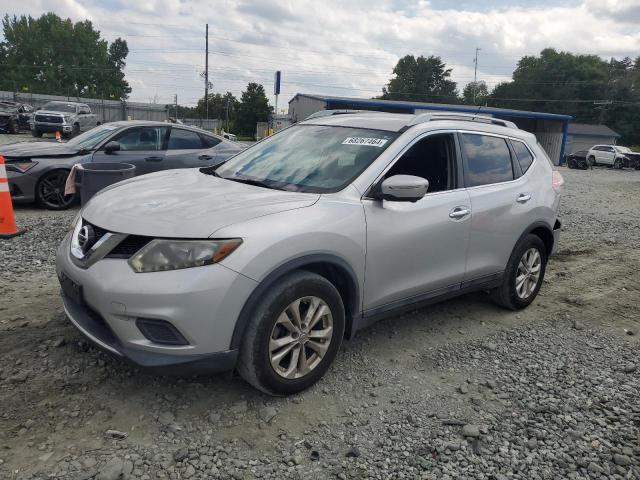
[337, 47]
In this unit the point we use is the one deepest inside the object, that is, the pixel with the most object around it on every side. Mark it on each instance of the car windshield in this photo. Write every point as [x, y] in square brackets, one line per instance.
[60, 107]
[90, 140]
[309, 158]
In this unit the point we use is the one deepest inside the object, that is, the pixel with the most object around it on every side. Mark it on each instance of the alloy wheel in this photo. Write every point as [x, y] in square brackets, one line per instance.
[528, 273]
[300, 337]
[51, 190]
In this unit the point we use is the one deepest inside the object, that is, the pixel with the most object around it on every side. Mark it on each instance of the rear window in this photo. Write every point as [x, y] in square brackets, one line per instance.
[487, 160]
[525, 159]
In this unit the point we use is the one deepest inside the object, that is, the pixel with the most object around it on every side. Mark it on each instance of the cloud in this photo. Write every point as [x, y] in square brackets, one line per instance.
[339, 47]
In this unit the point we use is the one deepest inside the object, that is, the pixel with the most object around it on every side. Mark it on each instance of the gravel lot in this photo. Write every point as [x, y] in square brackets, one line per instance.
[458, 390]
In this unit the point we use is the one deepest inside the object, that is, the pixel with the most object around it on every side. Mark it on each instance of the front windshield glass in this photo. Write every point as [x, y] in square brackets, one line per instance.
[90, 140]
[309, 158]
[60, 107]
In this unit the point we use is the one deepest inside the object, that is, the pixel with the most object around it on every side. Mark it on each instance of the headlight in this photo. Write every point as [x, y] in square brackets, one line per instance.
[161, 255]
[24, 166]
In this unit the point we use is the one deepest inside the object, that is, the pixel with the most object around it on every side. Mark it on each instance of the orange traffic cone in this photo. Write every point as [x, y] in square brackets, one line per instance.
[8, 226]
[58, 137]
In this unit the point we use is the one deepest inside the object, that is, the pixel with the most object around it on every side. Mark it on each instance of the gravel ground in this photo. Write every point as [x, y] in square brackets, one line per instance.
[458, 390]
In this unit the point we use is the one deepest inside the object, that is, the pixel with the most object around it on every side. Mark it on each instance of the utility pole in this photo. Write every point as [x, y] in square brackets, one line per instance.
[227, 114]
[606, 101]
[475, 75]
[206, 73]
[175, 105]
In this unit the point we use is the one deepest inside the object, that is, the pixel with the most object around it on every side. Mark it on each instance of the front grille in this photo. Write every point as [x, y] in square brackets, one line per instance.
[129, 246]
[48, 118]
[126, 248]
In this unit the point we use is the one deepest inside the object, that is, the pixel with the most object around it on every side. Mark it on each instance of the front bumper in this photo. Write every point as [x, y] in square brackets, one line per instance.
[22, 186]
[201, 303]
[52, 127]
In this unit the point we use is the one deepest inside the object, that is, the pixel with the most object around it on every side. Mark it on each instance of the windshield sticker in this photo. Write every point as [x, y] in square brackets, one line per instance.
[371, 142]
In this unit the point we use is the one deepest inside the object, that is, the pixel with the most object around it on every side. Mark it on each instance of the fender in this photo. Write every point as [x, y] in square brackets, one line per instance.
[540, 224]
[280, 271]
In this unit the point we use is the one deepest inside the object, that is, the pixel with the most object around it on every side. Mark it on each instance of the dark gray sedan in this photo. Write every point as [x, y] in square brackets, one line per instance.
[38, 170]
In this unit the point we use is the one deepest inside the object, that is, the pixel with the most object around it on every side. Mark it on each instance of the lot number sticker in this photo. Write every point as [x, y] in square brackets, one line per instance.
[372, 142]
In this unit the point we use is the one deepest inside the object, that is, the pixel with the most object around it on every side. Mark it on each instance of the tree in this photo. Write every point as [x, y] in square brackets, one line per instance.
[254, 107]
[55, 56]
[218, 108]
[421, 80]
[475, 93]
[586, 87]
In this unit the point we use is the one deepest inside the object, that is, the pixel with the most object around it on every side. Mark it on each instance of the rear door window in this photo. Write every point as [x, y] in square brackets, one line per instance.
[180, 139]
[525, 159]
[487, 159]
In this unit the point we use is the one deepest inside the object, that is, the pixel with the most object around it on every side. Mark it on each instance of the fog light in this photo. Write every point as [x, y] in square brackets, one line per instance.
[160, 331]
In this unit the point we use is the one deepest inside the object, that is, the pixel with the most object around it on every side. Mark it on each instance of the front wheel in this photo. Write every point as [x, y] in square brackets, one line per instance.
[50, 190]
[14, 127]
[524, 274]
[293, 336]
[36, 133]
[592, 161]
[617, 164]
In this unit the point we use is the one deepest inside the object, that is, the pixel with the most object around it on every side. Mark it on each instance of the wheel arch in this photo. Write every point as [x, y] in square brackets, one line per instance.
[544, 232]
[333, 268]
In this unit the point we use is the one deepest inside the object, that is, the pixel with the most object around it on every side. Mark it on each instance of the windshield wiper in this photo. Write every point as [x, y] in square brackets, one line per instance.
[250, 181]
[211, 171]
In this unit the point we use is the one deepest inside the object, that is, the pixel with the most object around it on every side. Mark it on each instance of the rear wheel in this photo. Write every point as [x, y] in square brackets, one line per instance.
[524, 274]
[50, 190]
[36, 133]
[293, 336]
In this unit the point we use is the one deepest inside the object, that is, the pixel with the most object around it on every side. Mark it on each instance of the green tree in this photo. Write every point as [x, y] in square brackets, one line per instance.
[254, 107]
[422, 79]
[475, 93]
[588, 88]
[55, 56]
[218, 108]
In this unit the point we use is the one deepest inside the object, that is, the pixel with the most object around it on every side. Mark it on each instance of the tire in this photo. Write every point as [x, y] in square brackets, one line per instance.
[14, 127]
[592, 161]
[36, 133]
[76, 130]
[50, 190]
[571, 163]
[255, 363]
[507, 295]
[617, 164]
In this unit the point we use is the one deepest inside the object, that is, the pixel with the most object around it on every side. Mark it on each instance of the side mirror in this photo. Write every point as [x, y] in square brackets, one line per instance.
[404, 188]
[111, 147]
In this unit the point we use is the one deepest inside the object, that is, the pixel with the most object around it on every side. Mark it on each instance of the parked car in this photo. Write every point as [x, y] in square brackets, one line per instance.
[38, 170]
[577, 160]
[14, 116]
[259, 264]
[68, 118]
[614, 156]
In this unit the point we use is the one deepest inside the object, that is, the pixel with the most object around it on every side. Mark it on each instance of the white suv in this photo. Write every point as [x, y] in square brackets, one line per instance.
[613, 155]
[266, 262]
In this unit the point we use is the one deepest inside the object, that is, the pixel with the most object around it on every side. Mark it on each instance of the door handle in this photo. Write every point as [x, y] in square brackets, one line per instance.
[523, 198]
[459, 212]
[153, 159]
[205, 157]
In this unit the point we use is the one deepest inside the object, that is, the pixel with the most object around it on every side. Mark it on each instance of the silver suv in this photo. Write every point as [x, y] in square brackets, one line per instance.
[265, 263]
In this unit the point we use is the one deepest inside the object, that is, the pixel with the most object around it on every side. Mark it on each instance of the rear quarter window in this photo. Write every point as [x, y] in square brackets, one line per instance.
[525, 159]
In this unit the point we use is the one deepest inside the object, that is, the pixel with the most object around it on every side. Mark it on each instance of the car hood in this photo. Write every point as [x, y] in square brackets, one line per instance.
[38, 149]
[185, 204]
[53, 112]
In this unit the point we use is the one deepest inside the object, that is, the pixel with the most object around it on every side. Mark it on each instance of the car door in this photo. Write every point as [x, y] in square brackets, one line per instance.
[142, 146]
[502, 203]
[609, 155]
[186, 149]
[417, 250]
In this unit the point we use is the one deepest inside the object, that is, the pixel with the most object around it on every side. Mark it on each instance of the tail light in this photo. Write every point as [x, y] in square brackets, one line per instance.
[557, 181]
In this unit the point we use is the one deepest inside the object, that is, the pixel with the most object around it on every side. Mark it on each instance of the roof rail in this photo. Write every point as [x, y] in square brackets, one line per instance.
[329, 113]
[471, 117]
